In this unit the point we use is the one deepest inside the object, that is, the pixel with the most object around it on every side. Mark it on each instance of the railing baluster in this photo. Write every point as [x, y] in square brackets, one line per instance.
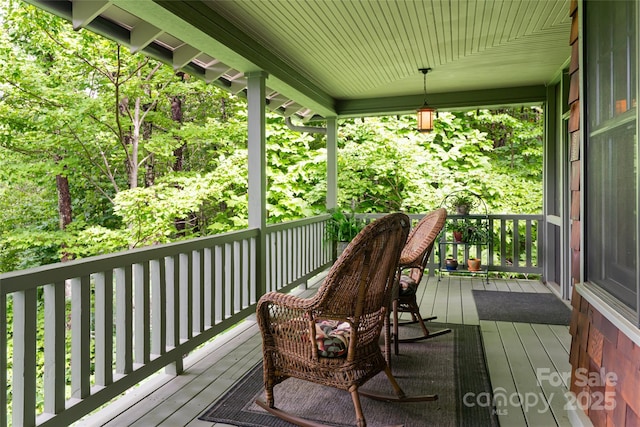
[54, 348]
[516, 243]
[208, 287]
[503, 243]
[141, 313]
[80, 337]
[268, 266]
[229, 279]
[104, 327]
[244, 273]
[253, 256]
[528, 243]
[3, 361]
[124, 320]
[173, 311]
[24, 357]
[219, 295]
[490, 255]
[278, 261]
[237, 277]
[158, 309]
[186, 296]
[288, 258]
[198, 291]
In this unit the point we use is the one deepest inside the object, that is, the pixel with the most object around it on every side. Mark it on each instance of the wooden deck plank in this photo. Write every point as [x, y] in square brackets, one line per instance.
[454, 303]
[501, 377]
[564, 337]
[527, 286]
[426, 300]
[469, 310]
[491, 286]
[514, 285]
[441, 300]
[501, 285]
[523, 374]
[478, 285]
[546, 372]
[554, 346]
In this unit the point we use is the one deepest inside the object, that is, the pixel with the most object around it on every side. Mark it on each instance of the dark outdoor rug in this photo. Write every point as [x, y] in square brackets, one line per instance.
[451, 365]
[524, 307]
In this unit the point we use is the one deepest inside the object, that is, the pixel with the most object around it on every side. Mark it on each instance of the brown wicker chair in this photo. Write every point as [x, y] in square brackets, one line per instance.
[413, 259]
[357, 290]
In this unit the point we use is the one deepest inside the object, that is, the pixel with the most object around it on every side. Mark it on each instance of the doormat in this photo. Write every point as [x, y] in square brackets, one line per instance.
[523, 307]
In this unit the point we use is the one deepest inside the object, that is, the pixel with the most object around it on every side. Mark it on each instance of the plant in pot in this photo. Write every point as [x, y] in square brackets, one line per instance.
[463, 203]
[475, 233]
[458, 229]
[342, 228]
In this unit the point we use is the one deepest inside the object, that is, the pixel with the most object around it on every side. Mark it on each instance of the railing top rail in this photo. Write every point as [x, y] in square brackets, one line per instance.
[538, 217]
[33, 277]
[297, 223]
[531, 217]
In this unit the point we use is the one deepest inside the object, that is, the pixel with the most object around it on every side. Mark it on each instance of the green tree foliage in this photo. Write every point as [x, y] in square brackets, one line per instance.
[151, 156]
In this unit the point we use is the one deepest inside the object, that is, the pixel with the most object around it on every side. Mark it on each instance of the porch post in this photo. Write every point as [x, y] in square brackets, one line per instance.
[332, 163]
[257, 172]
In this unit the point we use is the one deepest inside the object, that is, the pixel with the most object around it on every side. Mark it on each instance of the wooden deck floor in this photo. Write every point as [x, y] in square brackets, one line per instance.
[525, 360]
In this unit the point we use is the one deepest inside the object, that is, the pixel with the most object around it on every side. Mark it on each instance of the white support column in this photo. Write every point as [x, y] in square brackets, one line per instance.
[256, 95]
[332, 163]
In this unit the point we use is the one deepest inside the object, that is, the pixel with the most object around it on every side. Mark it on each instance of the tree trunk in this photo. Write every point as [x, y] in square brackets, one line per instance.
[65, 212]
[176, 116]
[64, 201]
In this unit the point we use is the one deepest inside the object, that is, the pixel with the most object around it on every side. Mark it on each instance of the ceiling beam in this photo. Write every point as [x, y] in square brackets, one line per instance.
[183, 55]
[142, 35]
[85, 11]
[443, 101]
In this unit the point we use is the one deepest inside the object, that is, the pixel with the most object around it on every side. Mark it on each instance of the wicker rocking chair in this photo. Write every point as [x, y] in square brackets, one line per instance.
[355, 296]
[413, 259]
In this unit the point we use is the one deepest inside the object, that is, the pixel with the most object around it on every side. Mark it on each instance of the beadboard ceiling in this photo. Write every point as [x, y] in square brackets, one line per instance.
[348, 57]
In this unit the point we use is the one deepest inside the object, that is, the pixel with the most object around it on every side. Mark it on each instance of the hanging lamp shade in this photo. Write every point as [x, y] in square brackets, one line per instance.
[426, 114]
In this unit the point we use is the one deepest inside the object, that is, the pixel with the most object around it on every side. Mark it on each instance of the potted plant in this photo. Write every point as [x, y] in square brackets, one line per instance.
[342, 228]
[473, 264]
[462, 202]
[475, 233]
[458, 228]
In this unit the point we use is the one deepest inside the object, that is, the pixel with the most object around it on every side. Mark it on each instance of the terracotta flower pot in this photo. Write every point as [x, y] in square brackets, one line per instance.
[457, 236]
[473, 264]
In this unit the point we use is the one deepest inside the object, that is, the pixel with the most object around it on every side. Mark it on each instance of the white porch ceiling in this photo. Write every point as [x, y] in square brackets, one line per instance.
[348, 57]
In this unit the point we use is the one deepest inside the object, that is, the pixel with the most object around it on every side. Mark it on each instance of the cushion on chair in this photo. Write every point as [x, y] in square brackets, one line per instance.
[332, 338]
[408, 286]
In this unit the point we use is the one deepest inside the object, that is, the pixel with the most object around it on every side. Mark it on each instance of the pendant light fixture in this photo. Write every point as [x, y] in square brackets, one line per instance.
[426, 114]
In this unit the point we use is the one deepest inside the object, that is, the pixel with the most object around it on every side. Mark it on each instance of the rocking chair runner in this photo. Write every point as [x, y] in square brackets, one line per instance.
[356, 295]
[414, 258]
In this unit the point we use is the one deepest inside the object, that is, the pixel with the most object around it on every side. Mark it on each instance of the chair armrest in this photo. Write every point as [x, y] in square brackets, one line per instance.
[285, 317]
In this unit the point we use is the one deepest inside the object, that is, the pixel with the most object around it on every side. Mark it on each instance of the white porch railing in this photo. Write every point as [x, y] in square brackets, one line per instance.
[514, 247]
[106, 323]
[111, 321]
